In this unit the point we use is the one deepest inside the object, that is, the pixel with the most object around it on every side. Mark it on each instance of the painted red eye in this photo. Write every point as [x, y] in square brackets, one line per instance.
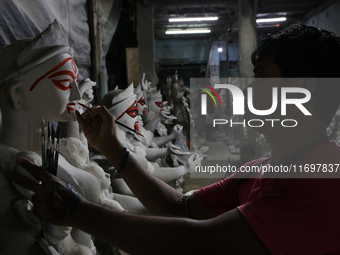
[62, 84]
[141, 102]
[159, 104]
[133, 112]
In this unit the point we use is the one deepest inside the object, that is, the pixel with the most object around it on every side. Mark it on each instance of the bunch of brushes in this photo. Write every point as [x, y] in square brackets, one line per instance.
[50, 153]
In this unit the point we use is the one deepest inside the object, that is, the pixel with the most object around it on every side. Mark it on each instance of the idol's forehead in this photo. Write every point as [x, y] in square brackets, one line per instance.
[159, 99]
[56, 62]
[39, 59]
[50, 69]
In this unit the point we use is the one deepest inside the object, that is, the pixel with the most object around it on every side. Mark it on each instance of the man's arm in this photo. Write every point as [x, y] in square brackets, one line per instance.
[157, 196]
[56, 203]
[225, 234]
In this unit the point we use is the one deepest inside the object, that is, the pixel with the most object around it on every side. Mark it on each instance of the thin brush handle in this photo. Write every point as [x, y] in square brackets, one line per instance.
[43, 154]
[51, 168]
[48, 160]
[55, 168]
[123, 125]
[119, 123]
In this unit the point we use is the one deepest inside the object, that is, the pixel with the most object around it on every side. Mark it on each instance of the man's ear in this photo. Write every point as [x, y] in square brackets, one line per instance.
[14, 93]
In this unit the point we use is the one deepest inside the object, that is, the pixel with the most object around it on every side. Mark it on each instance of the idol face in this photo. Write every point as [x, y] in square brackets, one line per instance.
[51, 89]
[156, 105]
[141, 105]
[130, 117]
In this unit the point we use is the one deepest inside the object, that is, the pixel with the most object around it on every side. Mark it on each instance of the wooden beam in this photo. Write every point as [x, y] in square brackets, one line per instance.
[96, 73]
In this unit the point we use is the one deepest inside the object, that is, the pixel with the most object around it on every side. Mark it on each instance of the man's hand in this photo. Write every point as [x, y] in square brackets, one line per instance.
[99, 128]
[54, 201]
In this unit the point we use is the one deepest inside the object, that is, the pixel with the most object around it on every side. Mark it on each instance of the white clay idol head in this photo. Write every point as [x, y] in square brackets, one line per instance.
[145, 87]
[155, 102]
[177, 86]
[122, 104]
[39, 76]
[140, 100]
[181, 85]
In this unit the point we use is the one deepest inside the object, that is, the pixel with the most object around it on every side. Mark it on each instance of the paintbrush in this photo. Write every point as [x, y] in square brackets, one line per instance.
[52, 152]
[48, 152]
[119, 123]
[56, 155]
[43, 155]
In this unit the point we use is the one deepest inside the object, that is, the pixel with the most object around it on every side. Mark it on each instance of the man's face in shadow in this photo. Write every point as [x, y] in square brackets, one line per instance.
[265, 73]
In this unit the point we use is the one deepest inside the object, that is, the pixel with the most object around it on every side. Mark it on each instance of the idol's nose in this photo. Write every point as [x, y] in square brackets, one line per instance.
[75, 93]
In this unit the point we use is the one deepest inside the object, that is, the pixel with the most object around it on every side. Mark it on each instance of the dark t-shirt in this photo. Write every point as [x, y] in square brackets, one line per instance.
[290, 216]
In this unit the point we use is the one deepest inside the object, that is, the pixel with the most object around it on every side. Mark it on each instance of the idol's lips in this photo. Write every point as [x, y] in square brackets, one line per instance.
[136, 126]
[70, 107]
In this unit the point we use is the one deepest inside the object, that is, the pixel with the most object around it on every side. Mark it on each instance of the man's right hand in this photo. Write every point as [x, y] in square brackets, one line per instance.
[99, 128]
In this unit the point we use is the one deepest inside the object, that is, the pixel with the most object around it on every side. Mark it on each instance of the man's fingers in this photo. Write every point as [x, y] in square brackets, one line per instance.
[24, 181]
[85, 118]
[91, 113]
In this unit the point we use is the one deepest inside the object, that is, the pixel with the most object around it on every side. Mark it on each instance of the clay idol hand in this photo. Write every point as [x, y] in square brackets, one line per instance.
[173, 149]
[167, 116]
[193, 161]
[86, 90]
[145, 83]
[176, 131]
[166, 108]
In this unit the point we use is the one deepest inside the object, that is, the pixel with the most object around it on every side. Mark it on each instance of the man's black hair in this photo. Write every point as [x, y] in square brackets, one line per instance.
[305, 51]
